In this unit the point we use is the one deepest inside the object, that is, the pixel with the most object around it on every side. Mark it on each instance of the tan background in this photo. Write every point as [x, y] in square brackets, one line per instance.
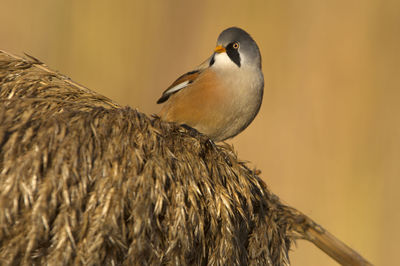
[327, 138]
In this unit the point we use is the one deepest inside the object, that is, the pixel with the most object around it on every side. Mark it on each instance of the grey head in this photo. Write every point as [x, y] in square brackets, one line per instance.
[240, 47]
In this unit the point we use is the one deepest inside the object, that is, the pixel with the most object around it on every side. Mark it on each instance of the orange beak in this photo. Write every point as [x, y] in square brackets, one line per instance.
[220, 49]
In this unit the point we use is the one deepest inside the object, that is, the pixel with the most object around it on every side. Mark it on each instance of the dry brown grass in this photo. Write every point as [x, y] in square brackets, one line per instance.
[86, 181]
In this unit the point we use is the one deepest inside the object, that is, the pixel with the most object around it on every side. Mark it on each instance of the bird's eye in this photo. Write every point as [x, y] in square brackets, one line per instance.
[235, 45]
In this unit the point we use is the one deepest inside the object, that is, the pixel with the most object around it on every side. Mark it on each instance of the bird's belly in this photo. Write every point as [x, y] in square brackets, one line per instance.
[234, 119]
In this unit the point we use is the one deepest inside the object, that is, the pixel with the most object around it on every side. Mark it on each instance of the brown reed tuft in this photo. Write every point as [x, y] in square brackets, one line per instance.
[84, 181]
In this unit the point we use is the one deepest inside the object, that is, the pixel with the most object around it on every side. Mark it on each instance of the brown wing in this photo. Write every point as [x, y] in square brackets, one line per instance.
[184, 80]
[179, 84]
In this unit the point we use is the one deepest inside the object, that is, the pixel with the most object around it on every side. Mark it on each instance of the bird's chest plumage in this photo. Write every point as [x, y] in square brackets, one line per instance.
[242, 96]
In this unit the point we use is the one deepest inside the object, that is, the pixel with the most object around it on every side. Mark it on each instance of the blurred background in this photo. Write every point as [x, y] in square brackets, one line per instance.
[327, 138]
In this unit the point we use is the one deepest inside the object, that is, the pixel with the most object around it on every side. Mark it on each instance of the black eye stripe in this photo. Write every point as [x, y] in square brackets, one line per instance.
[233, 53]
[212, 61]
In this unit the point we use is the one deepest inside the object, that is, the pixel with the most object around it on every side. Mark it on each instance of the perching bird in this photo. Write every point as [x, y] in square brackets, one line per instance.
[220, 97]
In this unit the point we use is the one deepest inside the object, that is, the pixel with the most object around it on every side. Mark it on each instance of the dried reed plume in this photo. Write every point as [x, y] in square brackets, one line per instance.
[84, 181]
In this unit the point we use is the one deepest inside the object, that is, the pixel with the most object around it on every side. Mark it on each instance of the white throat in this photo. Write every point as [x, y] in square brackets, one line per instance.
[222, 60]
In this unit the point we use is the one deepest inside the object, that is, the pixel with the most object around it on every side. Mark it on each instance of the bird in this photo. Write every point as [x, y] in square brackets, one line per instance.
[222, 96]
